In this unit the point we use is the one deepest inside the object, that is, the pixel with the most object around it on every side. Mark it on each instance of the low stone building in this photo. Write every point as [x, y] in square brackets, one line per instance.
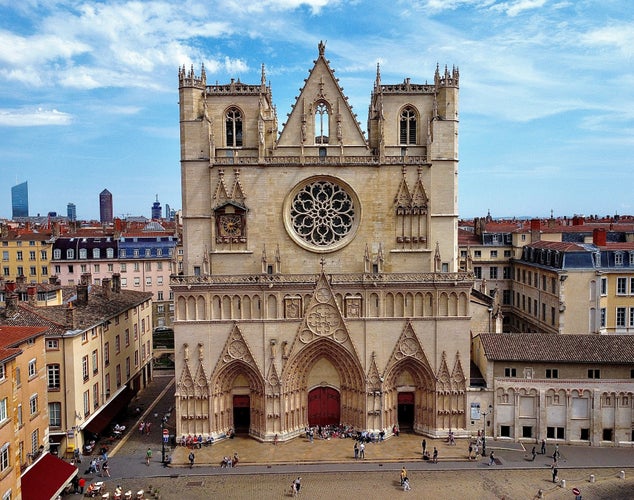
[573, 389]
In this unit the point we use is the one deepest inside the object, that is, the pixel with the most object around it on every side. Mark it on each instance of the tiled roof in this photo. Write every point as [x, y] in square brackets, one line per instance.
[559, 246]
[98, 308]
[555, 348]
[13, 336]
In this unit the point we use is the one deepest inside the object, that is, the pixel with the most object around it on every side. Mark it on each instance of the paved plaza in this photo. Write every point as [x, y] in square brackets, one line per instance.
[328, 468]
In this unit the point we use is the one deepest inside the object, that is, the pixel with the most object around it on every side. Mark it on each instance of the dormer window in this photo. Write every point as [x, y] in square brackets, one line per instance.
[618, 258]
[233, 128]
[407, 124]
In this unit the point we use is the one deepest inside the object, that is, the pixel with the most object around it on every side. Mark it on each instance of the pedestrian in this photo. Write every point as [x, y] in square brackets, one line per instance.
[403, 475]
[424, 445]
[148, 426]
[435, 455]
[362, 450]
[555, 471]
[294, 489]
[275, 440]
[105, 469]
[406, 486]
[234, 462]
[356, 450]
[491, 458]
[470, 450]
[191, 459]
[141, 427]
[75, 483]
[543, 450]
[148, 456]
[477, 451]
[298, 484]
[82, 485]
[533, 453]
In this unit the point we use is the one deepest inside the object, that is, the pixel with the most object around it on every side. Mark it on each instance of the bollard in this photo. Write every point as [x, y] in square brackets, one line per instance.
[592, 479]
[622, 474]
[563, 483]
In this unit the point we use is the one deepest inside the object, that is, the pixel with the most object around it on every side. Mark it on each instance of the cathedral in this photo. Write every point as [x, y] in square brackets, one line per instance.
[320, 280]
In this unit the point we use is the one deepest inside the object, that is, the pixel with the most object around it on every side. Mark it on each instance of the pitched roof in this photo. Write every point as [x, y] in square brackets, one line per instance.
[551, 348]
[13, 336]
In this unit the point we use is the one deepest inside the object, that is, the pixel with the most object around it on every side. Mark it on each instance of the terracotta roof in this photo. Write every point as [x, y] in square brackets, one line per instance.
[554, 348]
[13, 336]
[560, 246]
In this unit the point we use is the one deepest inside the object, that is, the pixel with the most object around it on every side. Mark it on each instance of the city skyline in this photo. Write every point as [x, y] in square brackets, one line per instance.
[89, 91]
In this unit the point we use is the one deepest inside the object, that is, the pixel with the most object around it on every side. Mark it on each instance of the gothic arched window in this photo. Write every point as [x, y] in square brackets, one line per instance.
[233, 128]
[407, 126]
[322, 129]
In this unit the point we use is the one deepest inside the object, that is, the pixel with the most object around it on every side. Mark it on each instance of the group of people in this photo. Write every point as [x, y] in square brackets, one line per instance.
[196, 441]
[145, 427]
[359, 450]
[229, 462]
[405, 480]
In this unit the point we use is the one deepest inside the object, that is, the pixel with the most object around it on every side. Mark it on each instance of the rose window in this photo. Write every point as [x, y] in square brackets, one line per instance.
[322, 214]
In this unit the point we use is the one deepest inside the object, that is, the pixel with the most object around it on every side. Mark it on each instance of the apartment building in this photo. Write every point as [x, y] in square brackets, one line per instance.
[98, 353]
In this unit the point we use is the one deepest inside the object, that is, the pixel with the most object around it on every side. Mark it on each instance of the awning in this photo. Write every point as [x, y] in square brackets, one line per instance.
[47, 478]
[98, 421]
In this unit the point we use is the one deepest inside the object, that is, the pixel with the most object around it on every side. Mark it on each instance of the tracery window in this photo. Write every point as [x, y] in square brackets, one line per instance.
[322, 124]
[322, 214]
[233, 128]
[408, 126]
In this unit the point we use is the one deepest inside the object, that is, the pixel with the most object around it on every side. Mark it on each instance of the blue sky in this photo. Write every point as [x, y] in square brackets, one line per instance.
[89, 91]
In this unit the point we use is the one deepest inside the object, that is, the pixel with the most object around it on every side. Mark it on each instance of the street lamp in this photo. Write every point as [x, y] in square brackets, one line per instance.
[484, 431]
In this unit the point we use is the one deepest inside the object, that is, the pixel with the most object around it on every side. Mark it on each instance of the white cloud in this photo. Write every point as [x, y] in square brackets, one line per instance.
[512, 9]
[33, 117]
[619, 35]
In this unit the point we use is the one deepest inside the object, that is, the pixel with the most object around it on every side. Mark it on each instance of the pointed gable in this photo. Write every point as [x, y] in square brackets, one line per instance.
[408, 346]
[323, 319]
[236, 349]
[321, 89]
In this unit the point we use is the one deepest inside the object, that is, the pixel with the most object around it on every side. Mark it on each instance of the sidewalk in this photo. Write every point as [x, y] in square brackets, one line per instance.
[329, 470]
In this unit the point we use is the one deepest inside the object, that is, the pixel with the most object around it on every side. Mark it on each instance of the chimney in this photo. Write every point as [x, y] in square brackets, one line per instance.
[52, 280]
[10, 286]
[106, 285]
[70, 317]
[578, 220]
[86, 279]
[31, 292]
[82, 294]
[116, 283]
[11, 304]
[535, 230]
[20, 280]
[599, 237]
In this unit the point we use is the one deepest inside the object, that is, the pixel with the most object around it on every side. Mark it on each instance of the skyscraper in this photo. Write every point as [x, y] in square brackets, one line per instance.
[20, 200]
[156, 209]
[71, 212]
[105, 206]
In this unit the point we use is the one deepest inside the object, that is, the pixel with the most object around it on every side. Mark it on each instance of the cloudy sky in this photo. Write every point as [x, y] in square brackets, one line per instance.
[89, 91]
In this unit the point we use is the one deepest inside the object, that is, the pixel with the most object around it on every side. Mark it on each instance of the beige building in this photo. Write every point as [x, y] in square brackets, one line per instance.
[320, 279]
[24, 438]
[98, 354]
[573, 389]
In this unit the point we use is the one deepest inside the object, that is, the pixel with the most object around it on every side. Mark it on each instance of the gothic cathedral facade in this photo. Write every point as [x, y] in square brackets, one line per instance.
[321, 282]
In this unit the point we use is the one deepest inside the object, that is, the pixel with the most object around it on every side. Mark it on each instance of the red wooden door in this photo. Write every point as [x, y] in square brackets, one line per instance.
[324, 406]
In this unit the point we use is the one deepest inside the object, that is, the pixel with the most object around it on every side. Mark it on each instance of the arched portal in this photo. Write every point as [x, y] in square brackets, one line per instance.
[409, 389]
[323, 364]
[238, 400]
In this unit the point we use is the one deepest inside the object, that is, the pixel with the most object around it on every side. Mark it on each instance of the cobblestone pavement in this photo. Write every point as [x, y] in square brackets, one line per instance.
[328, 469]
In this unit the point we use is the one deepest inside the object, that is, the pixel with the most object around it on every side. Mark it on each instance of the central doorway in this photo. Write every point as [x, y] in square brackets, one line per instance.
[241, 413]
[406, 410]
[324, 406]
